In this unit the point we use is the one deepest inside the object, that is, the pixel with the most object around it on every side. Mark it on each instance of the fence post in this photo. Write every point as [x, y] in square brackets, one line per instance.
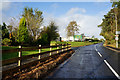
[62, 47]
[70, 46]
[66, 47]
[57, 48]
[50, 50]
[19, 55]
[39, 51]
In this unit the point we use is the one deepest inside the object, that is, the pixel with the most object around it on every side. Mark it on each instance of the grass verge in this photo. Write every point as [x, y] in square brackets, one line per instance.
[76, 44]
[15, 54]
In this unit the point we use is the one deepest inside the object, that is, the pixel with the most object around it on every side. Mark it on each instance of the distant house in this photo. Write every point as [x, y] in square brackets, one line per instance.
[79, 37]
[64, 39]
[76, 38]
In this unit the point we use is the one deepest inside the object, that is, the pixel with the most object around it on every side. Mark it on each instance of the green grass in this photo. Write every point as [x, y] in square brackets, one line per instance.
[15, 54]
[8, 47]
[76, 44]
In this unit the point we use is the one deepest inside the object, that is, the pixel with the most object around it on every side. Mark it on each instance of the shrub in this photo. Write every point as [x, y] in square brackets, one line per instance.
[6, 41]
[43, 40]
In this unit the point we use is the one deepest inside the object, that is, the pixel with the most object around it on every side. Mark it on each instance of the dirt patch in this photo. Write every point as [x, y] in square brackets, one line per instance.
[42, 69]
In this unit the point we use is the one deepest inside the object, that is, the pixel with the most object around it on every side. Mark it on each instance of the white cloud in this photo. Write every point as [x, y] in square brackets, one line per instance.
[4, 6]
[54, 6]
[76, 10]
[88, 24]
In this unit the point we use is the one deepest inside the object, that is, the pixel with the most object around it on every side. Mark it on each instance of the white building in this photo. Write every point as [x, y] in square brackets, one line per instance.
[64, 39]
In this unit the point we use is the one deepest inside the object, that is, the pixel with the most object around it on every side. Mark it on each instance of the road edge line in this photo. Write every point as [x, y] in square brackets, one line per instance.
[110, 67]
[111, 49]
[100, 54]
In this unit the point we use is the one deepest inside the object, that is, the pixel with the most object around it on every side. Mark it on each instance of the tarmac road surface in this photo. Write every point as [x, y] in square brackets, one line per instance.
[90, 62]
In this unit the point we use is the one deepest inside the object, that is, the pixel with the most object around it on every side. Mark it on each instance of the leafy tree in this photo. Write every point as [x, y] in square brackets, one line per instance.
[108, 25]
[52, 31]
[6, 41]
[22, 31]
[13, 30]
[0, 32]
[93, 37]
[72, 28]
[34, 20]
[44, 39]
[5, 33]
[102, 40]
[96, 39]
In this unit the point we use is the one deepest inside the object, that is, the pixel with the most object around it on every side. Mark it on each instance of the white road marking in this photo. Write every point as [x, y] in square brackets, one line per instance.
[99, 54]
[115, 73]
[110, 67]
[95, 48]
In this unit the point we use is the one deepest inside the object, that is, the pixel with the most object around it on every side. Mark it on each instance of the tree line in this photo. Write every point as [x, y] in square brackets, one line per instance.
[29, 31]
[109, 23]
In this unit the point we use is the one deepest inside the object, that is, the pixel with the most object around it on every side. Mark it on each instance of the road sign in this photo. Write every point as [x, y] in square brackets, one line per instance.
[117, 32]
[116, 35]
[116, 38]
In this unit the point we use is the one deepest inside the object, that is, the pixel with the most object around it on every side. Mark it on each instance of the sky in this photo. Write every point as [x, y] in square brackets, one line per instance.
[87, 14]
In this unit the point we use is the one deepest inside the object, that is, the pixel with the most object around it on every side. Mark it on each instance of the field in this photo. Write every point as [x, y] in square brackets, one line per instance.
[13, 55]
[76, 44]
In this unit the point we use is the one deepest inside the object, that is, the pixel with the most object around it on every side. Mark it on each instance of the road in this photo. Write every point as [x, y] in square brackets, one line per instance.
[90, 62]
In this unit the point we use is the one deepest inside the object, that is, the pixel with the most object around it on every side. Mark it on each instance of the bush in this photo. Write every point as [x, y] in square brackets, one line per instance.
[6, 41]
[43, 40]
[58, 42]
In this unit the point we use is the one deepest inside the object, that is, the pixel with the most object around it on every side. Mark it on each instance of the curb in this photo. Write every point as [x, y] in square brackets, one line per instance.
[113, 49]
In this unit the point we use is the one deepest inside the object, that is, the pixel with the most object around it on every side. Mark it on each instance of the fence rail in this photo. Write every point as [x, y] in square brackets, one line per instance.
[30, 48]
[13, 70]
[20, 58]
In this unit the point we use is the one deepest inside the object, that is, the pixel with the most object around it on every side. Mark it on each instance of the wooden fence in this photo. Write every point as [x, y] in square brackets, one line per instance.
[61, 48]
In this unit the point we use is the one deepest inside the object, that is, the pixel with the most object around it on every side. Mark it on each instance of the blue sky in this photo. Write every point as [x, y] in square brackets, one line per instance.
[57, 8]
[87, 14]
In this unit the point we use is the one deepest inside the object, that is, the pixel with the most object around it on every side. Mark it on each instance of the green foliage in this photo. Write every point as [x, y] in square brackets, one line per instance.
[102, 40]
[33, 21]
[0, 32]
[51, 31]
[108, 25]
[5, 33]
[22, 31]
[72, 28]
[44, 39]
[58, 42]
[93, 36]
[6, 41]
